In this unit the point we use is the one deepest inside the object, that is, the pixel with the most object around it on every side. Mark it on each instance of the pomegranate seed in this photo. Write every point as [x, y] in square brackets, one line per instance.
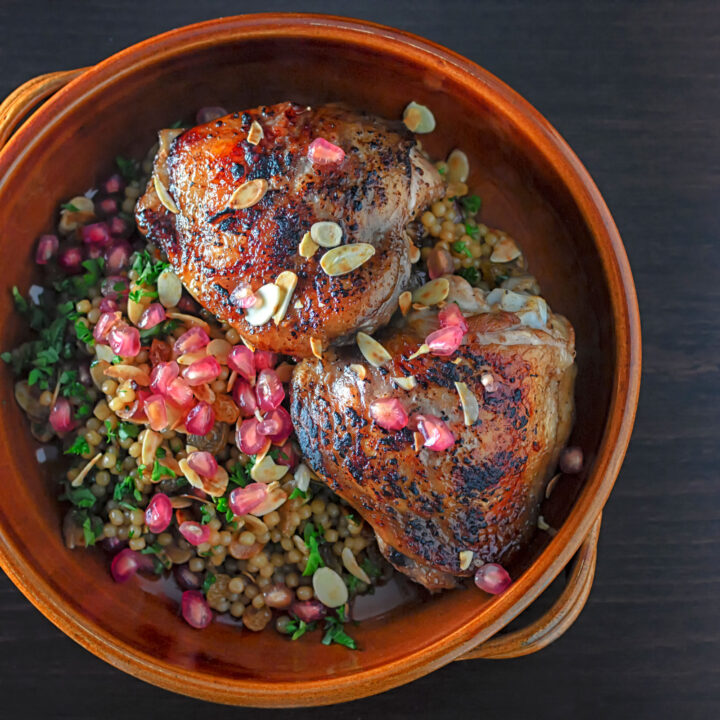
[265, 359]
[242, 296]
[244, 398]
[210, 113]
[203, 463]
[248, 439]
[277, 425]
[493, 578]
[200, 419]
[242, 361]
[162, 375]
[158, 513]
[244, 500]
[119, 227]
[323, 152]
[152, 316]
[114, 184]
[127, 562]
[439, 263]
[195, 533]
[46, 248]
[124, 340]
[269, 390]
[107, 306]
[179, 393]
[70, 260]
[202, 371]
[103, 326]
[389, 413]
[108, 206]
[61, 417]
[451, 315]
[437, 434]
[194, 339]
[185, 578]
[96, 234]
[571, 460]
[156, 412]
[308, 610]
[117, 256]
[445, 341]
[195, 610]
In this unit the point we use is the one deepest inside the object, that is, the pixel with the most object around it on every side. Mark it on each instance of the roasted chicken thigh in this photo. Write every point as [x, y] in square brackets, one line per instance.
[190, 210]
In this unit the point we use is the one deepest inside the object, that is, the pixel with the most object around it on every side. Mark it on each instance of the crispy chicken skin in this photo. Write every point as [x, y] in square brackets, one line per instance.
[483, 493]
[381, 184]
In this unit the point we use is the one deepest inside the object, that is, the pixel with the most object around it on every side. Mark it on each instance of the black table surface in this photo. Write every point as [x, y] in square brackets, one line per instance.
[635, 89]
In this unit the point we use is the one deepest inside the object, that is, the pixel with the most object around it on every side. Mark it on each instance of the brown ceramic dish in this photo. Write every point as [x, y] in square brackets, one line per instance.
[533, 186]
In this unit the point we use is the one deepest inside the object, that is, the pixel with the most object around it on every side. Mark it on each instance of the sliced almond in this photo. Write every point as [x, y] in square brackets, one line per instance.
[255, 134]
[97, 372]
[307, 247]
[268, 301]
[247, 344]
[135, 308]
[466, 557]
[274, 499]
[456, 189]
[418, 441]
[189, 320]
[214, 486]
[505, 250]
[128, 372]
[372, 350]
[266, 471]
[346, 258]
[551, 485]
[433, 292]
[298, 304]
[231, 381]
[424, 349]
[219, 349]
[418, 118]
[164, 195]
[78, 481]
[301, 545]
[405, 301]
[169, 288]
[458, 167]
[329, 587]
[351, 565]
[414, 254]
[255, 525]
[359, 370]
[488, 382]
[326, 234]
[287, 282]
[316, 348]
[419, 307]
[150, 444]
[248, 194]
[470, 406]
[302, 477]
[406, 383]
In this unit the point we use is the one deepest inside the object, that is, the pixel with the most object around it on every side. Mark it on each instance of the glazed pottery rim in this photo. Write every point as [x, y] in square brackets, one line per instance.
[492, 616]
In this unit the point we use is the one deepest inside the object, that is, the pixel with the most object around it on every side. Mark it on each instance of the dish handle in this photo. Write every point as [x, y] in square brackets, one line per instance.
[554, 623]
[25, 99]
[581, 570]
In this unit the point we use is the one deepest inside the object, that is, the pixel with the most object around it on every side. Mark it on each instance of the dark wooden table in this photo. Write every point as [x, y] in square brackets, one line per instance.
[635, 89]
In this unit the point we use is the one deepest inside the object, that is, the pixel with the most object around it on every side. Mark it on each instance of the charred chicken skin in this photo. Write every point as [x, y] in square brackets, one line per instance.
[381, 183]
[481, 494]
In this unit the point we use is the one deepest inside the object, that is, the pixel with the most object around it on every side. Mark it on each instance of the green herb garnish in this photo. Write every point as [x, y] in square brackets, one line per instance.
[297, 628]
[159, 472]
[81, 497]
[460, 247]
[471, 204]
[239, 475]
[313, 538]
[472, 230]
[92, 530]
[471, 274]
[70, 207]
[80, 446]
[335, 632]
[206, 515]
[129, 168]
[127, 430]
[208, 583]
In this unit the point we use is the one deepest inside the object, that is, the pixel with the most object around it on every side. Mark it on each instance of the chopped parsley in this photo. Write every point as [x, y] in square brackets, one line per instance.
[129, 168]
[472, 230]
[161, 329]
[223, 507]
[206, 514]
[208, 583]
[460, 247]
[92, 530]
[126, 487]
[335, 631]
[239, 475]
[471, 274]
[138, 294]
[296, 628]
[70, 207]
[372, 570]
[159, 472]
[313, 538]
[83, 332]
[80, 497]
[127, 430]
[471, 204]
[111, 432]
[148, 269]
[296, 493]
[80, 446]
[160, 453]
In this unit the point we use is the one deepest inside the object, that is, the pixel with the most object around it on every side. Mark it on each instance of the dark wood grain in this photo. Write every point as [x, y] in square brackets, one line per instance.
[635, 89]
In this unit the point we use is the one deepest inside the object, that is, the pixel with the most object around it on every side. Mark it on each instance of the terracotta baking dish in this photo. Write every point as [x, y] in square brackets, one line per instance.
[532, 185]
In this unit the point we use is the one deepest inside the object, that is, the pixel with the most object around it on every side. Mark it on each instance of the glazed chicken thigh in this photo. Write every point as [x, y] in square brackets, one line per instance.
[481, 494]
[381, 182]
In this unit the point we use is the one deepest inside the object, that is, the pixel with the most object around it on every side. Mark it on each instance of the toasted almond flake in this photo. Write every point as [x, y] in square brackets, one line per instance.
[301, 545]
[298, 304]
[405, 301]
[470, 406]
[551, 485]
[505, 250]
[55, 394]
[456, 361]
[418, 440]
[351, 565]
[219, 349]
[181, 501]
[213, 486]
[433, 292]
[488, 382]
[458, 167]
[190, 358]
[151, 442]
[316, 347]
[372, 350]
[406, 383]
[164, 195]
[422, 350]
[255, 134]
[359, 370]
[169, 288]
[231, 381]
[287, 282]
[255, 524]
[414, 254]
[247, 343]
[258, 415]
[97, 372]
[78, 481]
[329, 587]
[466, 557]
[268, 301]
[326, 234]
[135, 309]
[456, 189]
[419, 306]
[307, 247]
[274, 499]
[104, 354]
[189, 319]
[346, 258]
[248, 194]
[302, 477]
[266, 471]
[418, 118]
[264, 450]
[542, 525]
